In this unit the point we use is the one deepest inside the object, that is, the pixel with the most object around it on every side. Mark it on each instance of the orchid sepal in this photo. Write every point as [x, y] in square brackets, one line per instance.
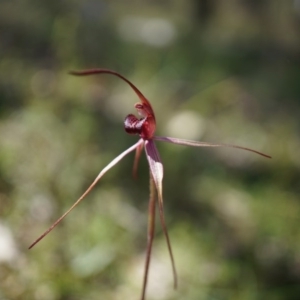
[108, 167]
[157, 172]
[192, 143]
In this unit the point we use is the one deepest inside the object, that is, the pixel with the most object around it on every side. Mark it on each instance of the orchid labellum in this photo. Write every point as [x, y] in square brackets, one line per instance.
[144, 127]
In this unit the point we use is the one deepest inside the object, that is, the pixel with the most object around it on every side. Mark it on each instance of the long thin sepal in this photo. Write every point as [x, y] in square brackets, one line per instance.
[106, 71]
[109, 166]
[203, 144]
[156, 169]
[138, 153]
[150, 235]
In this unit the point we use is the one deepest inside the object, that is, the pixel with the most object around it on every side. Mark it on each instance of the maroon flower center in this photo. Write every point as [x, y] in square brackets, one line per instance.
[145, 126]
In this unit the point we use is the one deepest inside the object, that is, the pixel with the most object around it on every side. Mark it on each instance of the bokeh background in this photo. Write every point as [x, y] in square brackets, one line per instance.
[216, 71]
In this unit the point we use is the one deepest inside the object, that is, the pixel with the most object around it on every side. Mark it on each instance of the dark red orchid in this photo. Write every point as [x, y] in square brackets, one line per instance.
[145, 128]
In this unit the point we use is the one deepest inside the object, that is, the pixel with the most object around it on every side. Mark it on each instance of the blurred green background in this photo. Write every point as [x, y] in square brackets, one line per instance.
[217, 71]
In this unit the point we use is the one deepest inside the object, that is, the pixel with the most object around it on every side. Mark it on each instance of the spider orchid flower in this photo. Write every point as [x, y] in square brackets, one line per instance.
[144, 127]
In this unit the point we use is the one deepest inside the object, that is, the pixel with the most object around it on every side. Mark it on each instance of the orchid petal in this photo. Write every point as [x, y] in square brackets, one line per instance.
[150, 235]
[155, 164]
[138, 152]
[203, 144]
[156, 169]
[143, 99]
[109, 166]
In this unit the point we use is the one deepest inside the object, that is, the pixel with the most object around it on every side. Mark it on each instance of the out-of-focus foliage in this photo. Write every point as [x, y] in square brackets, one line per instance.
[219, 71]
